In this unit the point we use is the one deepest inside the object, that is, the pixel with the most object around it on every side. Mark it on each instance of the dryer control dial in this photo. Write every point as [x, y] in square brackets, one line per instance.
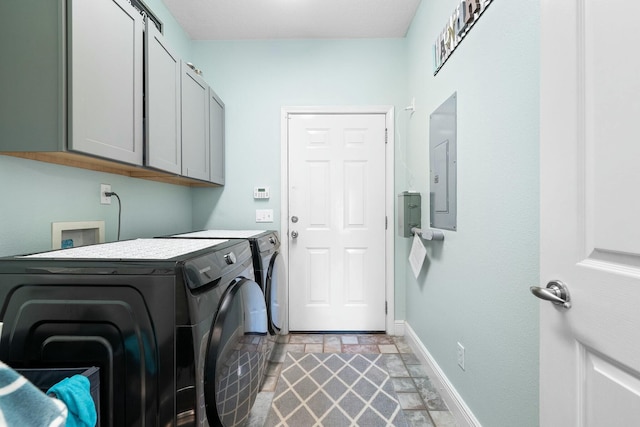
[230, 258]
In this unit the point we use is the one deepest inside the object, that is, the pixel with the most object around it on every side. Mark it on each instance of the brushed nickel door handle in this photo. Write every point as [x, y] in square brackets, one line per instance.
[556, 292]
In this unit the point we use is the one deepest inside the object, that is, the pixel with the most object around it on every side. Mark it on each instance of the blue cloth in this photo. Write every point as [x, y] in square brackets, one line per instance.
[22, 404]
[75, 392]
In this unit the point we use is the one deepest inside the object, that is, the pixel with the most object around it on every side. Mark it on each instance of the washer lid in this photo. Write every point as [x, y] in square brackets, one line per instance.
[146, 249]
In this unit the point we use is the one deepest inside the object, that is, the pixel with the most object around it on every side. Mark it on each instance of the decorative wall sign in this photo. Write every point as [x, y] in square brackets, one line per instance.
[459, 25]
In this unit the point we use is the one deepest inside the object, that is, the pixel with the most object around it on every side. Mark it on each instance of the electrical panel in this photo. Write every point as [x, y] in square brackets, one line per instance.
[443, 165]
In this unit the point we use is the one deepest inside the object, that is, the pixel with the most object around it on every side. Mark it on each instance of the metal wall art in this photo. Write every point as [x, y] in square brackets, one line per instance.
[459, 25]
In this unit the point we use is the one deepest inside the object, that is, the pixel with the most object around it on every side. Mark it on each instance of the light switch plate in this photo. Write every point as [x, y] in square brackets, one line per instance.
[264, 215]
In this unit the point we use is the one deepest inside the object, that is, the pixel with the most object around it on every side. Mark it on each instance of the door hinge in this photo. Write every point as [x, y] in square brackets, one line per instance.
[386, 222]
[386, 311]
[386, 136]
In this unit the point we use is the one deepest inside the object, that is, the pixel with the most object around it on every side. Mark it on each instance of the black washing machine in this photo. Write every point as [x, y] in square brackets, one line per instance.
[177, 327]
[269, 267]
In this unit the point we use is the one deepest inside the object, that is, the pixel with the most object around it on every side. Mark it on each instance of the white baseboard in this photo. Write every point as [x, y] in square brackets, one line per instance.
[457, 406]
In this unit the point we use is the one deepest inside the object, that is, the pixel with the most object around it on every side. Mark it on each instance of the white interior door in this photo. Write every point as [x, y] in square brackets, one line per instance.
[590, 211]
[336, 222]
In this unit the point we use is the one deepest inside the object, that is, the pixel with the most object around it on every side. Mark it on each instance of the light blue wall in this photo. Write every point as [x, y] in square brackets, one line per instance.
[474, 288]
[35, 194]
[255, 79]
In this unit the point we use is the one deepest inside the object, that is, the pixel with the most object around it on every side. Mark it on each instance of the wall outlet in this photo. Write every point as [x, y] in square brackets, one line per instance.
[105, 188]
[460, 354]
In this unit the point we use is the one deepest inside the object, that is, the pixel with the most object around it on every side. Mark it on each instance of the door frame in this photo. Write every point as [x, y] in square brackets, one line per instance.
[388, 111]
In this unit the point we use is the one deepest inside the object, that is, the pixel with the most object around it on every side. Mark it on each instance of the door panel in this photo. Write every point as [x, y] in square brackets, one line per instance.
[608, 385]
[355, 174]
[106, 80]
[590, 236]
[195, 125]
[163, 146]
[216, 138]
[319, 274]
[337, 194]
[354, 266]
[320, 186]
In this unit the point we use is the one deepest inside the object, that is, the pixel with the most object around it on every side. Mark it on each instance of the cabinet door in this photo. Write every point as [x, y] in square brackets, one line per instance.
[216, 137]
[162, 104]
[32, 76]
[195, 125]
[105, 81]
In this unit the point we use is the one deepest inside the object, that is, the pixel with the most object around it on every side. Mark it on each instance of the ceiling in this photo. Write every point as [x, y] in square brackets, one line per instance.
[289, 19]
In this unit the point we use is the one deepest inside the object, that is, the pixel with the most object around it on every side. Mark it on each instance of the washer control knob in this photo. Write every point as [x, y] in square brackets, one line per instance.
[230, 258]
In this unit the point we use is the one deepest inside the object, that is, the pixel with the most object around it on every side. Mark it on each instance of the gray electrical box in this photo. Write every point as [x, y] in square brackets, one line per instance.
[409, 212]
[443, 165]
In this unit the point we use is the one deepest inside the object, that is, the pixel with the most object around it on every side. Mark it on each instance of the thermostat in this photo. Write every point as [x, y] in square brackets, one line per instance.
[261, 193]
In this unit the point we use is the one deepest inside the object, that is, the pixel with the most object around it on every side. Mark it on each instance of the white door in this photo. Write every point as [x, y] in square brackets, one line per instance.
[336, 222]
[590, 212]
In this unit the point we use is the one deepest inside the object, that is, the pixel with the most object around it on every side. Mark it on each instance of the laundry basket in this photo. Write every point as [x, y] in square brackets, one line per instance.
[45, 378]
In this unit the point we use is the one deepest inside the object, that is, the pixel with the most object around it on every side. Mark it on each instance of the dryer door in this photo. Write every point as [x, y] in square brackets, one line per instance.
[237, 354]
[275, 288]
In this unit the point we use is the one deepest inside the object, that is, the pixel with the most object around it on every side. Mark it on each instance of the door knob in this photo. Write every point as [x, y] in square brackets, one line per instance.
[294, 234]
[556, 292]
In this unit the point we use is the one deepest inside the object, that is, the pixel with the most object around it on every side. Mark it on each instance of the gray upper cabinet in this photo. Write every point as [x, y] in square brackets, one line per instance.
[33, 73]
[105, 83]
[216, 137]
[73, 80]
[32, 76]
[163, 148]
[195, 125]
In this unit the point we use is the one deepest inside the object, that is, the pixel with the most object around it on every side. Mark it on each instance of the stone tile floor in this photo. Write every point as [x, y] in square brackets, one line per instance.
[419, 398]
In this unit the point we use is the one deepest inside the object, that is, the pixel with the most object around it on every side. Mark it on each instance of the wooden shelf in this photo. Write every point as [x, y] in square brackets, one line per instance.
[81, 161]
